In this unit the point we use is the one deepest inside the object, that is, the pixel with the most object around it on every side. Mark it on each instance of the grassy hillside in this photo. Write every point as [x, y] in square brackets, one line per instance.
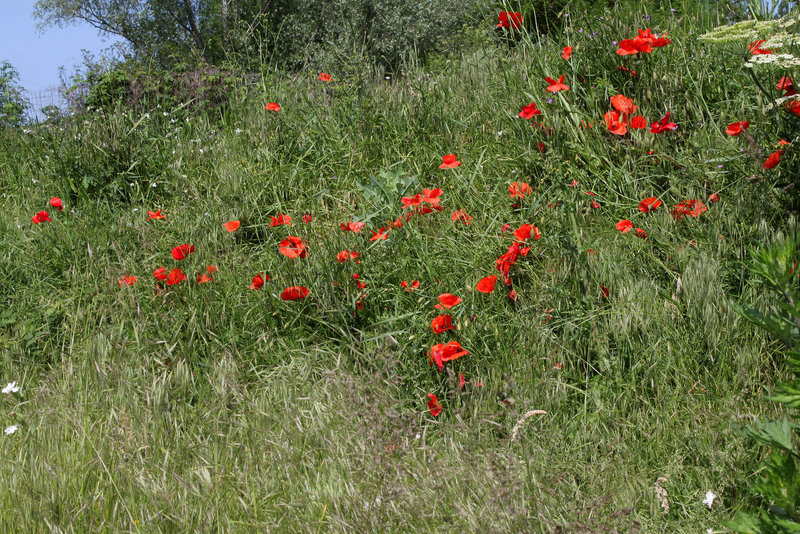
[150, 407]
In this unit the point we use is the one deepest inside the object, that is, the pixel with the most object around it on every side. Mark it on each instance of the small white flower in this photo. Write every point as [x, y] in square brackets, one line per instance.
[11, 429]
[709, 500]
[416, 437]
[153, 184]
[12, 387]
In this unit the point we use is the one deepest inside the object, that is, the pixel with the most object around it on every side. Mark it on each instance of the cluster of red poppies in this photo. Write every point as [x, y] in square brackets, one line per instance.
[644, 43]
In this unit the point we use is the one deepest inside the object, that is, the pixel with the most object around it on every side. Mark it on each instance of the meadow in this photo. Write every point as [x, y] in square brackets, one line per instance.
[596, 258]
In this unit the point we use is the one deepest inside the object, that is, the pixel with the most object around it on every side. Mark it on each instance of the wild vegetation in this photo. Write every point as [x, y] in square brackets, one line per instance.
[541, 283]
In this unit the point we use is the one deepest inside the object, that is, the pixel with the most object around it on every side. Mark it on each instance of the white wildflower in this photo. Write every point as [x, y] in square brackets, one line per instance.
[12, 387]
[11, 429]
[709, 500]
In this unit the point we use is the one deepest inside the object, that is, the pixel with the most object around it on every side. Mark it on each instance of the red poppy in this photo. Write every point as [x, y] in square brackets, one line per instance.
[519, 189]
[649, 204]
[160, 274]
[644, 42]
[127, 281]
[756, 51]
[691, 208]
[619, 120]
[505, 228]
[442, 323]
[324, 77]
[211, 268]
[433, 402]
[445, 352]
[486, 284]
[447, 301]
[294, 293]
[352, 226]
[41, 217]
[181, 251]
[641, 233]
[556, 86]
[663, 125]
[512, 295]
[461, 382]
[604, 289]
[203, 278]
[624, 226]
[272, 106]
[713, 197]
[542, 148]
[736, 128]
[176, 276]
[57, 204]
[595, 205]
[414, 285]
[281, 219]
[567, 52]
[258, 281]
[524, 232]
[307, 218]
[529, 111]
[232, 226]
[449, 161]
[509, 19]
[461, 215]
[153, 215]
[293, 247]
[773, 160]
[382, 234]
[638, 123]
[347, 255]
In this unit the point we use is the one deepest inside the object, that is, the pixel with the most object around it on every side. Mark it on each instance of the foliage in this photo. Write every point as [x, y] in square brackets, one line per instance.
[12, 102]
[778, 486]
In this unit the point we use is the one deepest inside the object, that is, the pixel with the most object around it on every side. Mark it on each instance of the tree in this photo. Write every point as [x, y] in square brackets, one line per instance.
[12, 103]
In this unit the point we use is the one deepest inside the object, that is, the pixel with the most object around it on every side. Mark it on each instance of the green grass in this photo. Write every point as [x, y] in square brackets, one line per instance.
[215, 408]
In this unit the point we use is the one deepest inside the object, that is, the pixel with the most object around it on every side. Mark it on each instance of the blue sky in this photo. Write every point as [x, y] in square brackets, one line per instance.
[36, 56]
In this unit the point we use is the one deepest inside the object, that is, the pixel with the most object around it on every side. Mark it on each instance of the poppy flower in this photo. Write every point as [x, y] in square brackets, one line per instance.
[649, 204]
[509, 19]
[542, 148]
[232, 226]
[524, 232]
[41, 217]
[57, 204]
[160, 274]
[771, 161]
[382, 234]
[644, 42]
[556, 86]
[639, 123]
[445, 352]
[519, 189]
[461, 215]
[203, 278]
[442, 323]
[736, 128]
[307, 218]
[691, 208]
[713, 197]
[529, 111]
[153, 215]
[347, 255]
[595, 205]
[641, 234]
[181, 251]
[663, 125]
[325, 77]
[486, 284]
[414, 285]
[567, 52]
[512, 295]
[505, 228]
[447, 301]
[352, 226]
[175, 277]
[211, 268]
[272, 106]
[280, 220]
[431, 196]
[127, 281]
[461, 382]
[294, 293]
[449, 161]
[433, 401]
[618, 121]
[756, 51]
[604, 289]
[293, 247]
[258, 281]
[624, 226]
